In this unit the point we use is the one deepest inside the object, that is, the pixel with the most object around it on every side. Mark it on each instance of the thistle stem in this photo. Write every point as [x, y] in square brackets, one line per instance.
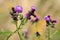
[14, 32]
[48, 33]
[18, 31]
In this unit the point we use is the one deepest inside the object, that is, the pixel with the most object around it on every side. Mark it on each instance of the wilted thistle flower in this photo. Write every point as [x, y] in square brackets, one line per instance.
[37, 34]
[49, 21]
[18, 9]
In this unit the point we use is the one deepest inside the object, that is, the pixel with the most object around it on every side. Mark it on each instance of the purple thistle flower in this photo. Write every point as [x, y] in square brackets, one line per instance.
[33, 8]
[32, 20]
[54, 21]
[49, 21]
[37, 18]
[47, 18]
[31, 13]
[19, 9]
[27, 15]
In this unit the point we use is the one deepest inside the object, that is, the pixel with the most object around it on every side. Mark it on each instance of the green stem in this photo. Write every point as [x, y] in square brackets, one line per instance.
[18, 31]
[48, 33]
[38, 38]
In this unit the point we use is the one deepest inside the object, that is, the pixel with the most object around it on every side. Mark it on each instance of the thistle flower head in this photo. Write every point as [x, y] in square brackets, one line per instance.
[54, 21]
[49, 21]
[32, 20]
[19, 9]
[27, 15]
[33, 8]
[31, 13]
[37, 18]
[47, 18]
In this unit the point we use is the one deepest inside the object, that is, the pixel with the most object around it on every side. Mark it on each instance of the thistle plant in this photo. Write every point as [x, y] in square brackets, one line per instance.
[16, 15]
[31, 13]
[16, 11]
[49, 23]
[37, 18]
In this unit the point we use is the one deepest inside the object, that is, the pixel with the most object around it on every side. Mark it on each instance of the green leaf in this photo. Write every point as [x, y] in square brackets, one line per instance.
[5, 32]
[58, 33]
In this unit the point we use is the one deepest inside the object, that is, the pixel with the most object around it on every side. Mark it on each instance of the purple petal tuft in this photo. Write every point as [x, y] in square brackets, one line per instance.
[54, 21]
[33, 8]
[47, 18]
[19, 9]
